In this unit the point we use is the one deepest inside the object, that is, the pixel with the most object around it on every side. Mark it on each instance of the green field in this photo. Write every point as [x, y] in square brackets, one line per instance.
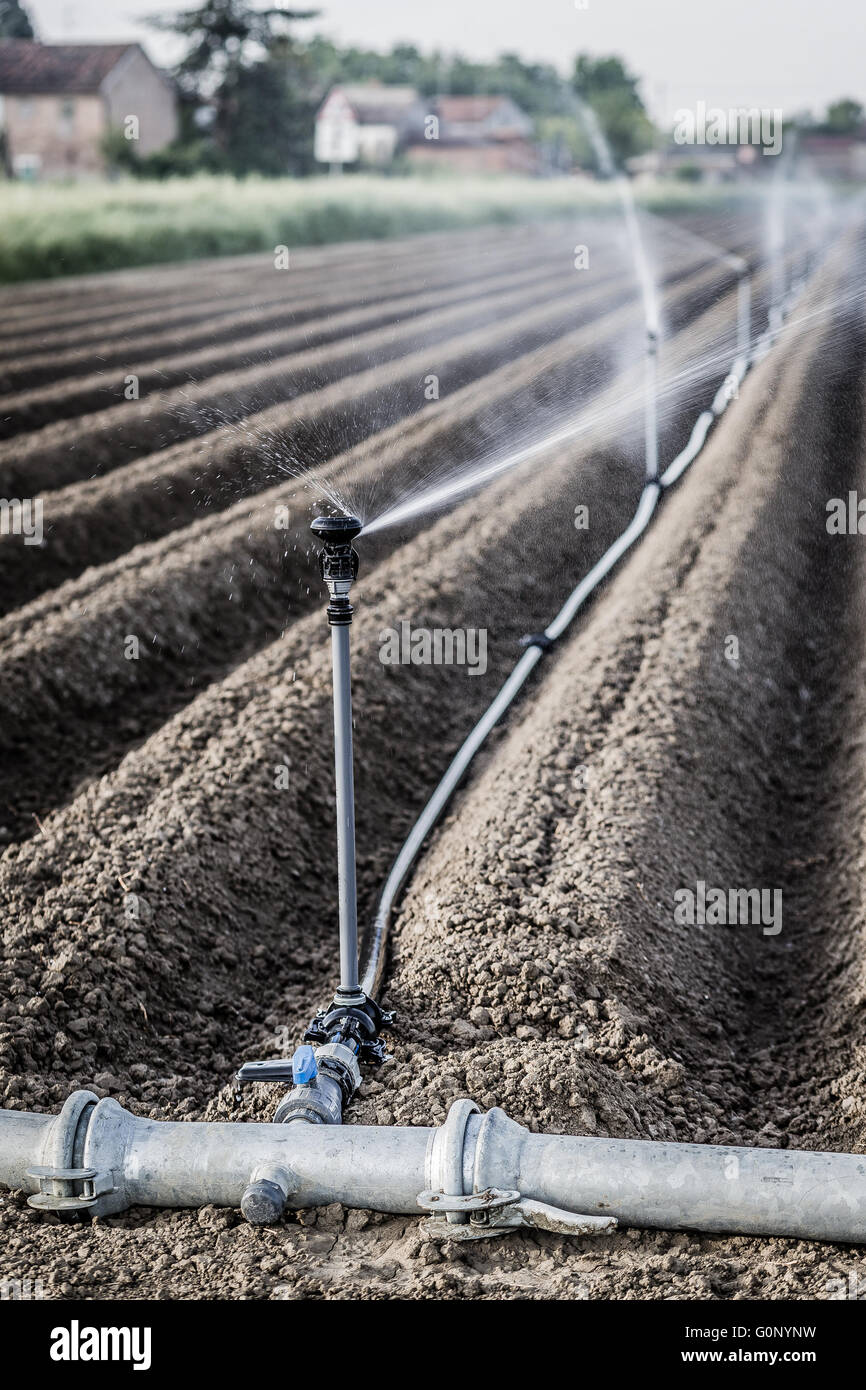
[63, 229]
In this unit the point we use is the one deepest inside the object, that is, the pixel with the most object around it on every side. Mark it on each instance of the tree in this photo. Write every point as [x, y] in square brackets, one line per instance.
[257, 80]
[265, 120]
[610, 89]
[536, 87]
[844, 117]
[564, 143]
[222, 34]
[15, 22]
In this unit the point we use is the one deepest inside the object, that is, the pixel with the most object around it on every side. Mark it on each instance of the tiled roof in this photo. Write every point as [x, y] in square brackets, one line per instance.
[375, 104]
[46, 68]
[460, 109]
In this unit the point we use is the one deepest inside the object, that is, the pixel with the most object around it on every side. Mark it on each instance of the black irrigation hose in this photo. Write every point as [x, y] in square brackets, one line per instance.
[373, 960]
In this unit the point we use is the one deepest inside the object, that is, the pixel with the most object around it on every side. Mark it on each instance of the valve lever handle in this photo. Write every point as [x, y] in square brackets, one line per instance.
[496, 1212]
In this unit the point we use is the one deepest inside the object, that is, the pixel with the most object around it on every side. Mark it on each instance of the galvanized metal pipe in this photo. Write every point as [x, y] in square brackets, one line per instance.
[22, 1137]
[99, 1158]
[191, 1165]
[780, 1192]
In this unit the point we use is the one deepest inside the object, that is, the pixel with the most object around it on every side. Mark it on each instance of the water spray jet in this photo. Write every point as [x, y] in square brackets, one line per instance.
[744, 312]
[651, 421]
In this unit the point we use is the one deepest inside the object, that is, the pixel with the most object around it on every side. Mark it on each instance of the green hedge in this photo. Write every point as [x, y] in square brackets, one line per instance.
[51, 229]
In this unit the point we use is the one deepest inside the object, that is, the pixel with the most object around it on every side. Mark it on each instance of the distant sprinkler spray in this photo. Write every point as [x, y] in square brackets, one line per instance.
[339, 565]
[744, 312]
[777, 239]
[651, 422]
[652, 317]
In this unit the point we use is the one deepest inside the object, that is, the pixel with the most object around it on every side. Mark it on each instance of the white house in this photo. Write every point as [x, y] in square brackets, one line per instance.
[366, 123]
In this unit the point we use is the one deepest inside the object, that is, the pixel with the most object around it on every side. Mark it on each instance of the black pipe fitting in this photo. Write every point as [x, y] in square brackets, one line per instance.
[357, 1027]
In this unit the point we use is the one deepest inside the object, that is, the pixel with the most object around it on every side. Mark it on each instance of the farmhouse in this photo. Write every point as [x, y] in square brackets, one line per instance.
[371, 123]
[834, 155]
[484, 134]
[366, 124]
[59, 101]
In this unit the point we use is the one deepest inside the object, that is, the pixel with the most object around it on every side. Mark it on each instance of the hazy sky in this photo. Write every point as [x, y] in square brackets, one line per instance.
[793, 54]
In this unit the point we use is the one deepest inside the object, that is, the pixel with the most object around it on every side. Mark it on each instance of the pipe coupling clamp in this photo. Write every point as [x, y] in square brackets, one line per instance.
[485, 1155]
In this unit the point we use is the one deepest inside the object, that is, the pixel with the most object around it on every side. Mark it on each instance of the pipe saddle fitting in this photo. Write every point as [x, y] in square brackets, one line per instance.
[357, 1024]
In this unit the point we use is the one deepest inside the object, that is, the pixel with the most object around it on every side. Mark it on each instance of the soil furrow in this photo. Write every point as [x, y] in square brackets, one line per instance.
[209, 302]
[220, 318]
[92, 522]
[28, 410]
[242, 578]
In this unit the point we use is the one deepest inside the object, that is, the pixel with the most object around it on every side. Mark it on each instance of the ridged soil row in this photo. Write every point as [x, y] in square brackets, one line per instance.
[97, 520]
[67, 397]
[305, 298]
[202, 600]
[101, 300]
[656, 757]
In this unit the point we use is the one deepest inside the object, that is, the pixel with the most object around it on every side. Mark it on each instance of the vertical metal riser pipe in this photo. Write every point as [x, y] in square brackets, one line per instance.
[347, 1031]
[339, 566]
[345, 790]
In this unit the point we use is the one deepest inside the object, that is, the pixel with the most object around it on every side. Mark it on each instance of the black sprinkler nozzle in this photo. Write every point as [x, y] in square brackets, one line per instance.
[338, 562]
[333, 530]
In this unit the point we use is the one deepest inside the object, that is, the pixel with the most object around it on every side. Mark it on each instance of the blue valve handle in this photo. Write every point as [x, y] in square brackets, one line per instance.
[304, 1067]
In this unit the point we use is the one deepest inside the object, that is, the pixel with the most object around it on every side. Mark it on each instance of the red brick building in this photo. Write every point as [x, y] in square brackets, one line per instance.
[59, 101]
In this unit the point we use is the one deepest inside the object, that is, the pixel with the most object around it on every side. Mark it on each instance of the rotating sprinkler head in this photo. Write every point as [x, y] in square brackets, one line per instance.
[338, 562]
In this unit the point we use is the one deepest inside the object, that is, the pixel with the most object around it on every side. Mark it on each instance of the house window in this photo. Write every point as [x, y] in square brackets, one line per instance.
[67, 116]
[25, 109]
